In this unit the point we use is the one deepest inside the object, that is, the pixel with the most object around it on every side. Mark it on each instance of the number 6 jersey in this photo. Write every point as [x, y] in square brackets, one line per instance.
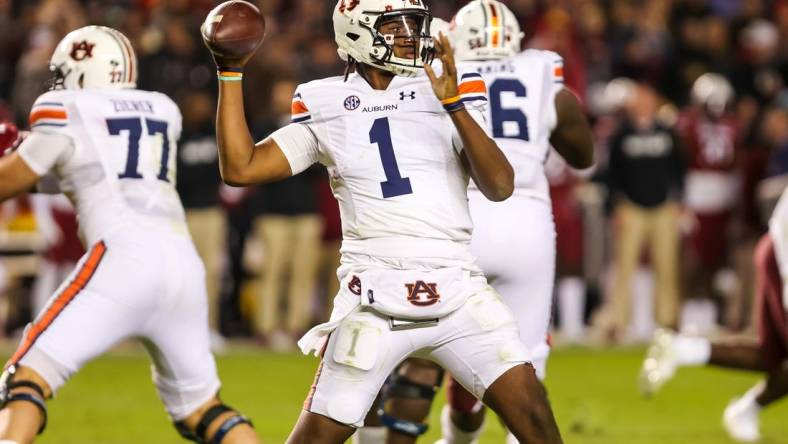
[393, 161]
[522, 113]
[112, 153]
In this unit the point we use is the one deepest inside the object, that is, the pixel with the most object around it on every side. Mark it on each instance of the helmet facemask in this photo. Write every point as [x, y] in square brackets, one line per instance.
[402, 42]
[57, 80]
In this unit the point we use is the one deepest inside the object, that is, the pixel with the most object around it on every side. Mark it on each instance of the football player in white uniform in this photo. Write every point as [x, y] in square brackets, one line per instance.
[400, 147]
[111, 149]
[513, 241]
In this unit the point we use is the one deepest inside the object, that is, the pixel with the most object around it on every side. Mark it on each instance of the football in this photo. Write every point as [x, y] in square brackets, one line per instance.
[233, 29]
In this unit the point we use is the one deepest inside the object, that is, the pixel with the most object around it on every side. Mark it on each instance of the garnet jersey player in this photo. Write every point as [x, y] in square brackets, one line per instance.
[514, 241]
[400, 147]
[768, 354]
[713, 184]
[111, 149]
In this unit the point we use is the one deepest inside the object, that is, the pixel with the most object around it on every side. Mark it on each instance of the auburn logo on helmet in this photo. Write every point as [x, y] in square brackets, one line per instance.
[423, 294]
[82, 50]
[348, 5]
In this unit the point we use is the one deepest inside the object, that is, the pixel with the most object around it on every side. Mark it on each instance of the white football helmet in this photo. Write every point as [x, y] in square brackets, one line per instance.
[713, 92]
[357, 25]
[94, 57]
[485, 30]
[440, 26]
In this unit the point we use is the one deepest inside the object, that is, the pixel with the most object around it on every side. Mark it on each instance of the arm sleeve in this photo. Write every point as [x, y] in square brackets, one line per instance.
[554, 83]
[43, 151]
[299, 145]
[473, 93]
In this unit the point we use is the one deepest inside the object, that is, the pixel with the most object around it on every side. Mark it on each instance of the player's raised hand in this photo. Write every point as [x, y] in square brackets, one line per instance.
[445, 86]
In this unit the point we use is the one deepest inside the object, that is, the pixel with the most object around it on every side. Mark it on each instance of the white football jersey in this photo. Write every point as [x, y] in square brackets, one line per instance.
[521, 114]
[393, 161]
[115, 158]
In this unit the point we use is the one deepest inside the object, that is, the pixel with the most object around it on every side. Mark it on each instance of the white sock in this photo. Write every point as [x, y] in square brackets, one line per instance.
[571, 305]
[691, 350]
[452, 434]
[510, 439]
[368, 435]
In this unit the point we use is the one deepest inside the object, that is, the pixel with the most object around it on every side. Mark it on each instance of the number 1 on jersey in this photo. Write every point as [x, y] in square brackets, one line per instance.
[395, 185]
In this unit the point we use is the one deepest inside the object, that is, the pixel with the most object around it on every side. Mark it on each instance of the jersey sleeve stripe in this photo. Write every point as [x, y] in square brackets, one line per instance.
[474, 99]
[470, 75]
[299, 119]
[56, 307]
[41, 115]
[55, 104]
[299, 107]
[475, 87]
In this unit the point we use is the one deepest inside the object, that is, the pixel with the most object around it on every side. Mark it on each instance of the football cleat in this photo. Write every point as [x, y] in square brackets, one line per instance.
[660, 363]
[741, 421]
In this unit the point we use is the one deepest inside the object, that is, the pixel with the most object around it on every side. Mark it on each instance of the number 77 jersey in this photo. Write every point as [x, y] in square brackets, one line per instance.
[112, 152]
[522, 115]
[393, 159]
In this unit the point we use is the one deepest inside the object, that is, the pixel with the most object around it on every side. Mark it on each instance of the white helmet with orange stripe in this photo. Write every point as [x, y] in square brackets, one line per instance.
[485, 30]
[94, 57]
[368, 31]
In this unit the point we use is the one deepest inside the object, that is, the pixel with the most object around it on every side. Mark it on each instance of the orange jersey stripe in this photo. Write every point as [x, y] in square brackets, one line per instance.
[559, 72]
[299, 108]
[473, 87]
[63, 299]
[47, 113]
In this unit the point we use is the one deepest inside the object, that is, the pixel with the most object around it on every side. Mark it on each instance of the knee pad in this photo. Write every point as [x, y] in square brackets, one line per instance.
[461, 400]
[399, 386]
[199, 434]
[8, 384]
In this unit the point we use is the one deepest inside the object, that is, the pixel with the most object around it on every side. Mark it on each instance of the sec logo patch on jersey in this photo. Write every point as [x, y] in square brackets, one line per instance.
[352, 103]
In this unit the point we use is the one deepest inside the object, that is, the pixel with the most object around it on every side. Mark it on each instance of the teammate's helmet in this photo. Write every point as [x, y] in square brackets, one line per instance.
[440, 26]
[357, 30]
[713, 92]
[485, 30]
[94, 57]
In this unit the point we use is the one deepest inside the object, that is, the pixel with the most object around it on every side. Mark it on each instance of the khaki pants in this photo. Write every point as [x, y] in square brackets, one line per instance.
[292, 254]
[208, 228]
[658, 229]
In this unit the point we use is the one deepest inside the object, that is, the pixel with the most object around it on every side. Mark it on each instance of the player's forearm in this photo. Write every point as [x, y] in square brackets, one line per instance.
[236, 147]
[16, 177]
[490, 169]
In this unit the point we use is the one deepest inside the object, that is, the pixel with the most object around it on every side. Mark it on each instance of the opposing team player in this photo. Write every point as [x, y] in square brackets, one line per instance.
[514, 241]
[713, 181]
[111, 149]
[400, 147]
[768, 355]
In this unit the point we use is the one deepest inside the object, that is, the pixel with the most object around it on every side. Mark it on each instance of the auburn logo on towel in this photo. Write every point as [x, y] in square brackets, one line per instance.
[423, 294]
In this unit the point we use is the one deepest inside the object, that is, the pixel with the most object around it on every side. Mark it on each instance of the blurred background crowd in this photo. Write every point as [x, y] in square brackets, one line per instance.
[687, 98]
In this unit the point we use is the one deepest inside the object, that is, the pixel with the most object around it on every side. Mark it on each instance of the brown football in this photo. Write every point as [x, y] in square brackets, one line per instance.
[233, 29]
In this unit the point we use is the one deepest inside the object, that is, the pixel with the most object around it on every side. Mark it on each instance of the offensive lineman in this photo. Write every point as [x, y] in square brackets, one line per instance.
[399, 147]
[111, 149]
[514, 241]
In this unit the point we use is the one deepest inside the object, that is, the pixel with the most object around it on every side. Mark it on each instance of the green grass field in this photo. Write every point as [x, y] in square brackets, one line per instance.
[593, 393]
